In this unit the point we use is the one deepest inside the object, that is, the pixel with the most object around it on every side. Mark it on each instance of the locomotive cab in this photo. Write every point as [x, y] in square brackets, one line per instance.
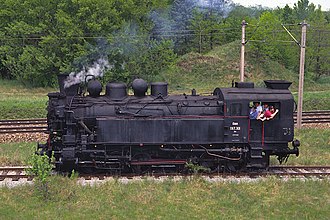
[264, 136]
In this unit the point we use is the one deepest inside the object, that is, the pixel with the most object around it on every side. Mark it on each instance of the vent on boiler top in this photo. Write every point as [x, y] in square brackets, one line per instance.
[277, 84]
[159, 88]
[244, 84]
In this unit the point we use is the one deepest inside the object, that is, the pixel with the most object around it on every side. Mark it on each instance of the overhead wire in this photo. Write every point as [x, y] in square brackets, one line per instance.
[165, 34]
[155, 33]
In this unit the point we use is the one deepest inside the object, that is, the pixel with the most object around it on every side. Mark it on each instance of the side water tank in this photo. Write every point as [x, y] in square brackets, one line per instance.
[116, 91]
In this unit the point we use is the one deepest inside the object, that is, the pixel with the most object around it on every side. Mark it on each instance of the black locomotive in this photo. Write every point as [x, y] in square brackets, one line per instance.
[117, 132]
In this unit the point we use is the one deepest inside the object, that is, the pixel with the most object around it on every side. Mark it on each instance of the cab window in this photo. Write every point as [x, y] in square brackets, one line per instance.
[258, 110]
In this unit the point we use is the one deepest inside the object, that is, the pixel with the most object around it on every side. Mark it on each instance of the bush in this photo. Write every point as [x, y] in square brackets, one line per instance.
[40, 168]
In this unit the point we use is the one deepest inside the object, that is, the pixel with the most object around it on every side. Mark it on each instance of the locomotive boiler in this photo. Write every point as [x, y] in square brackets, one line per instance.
[112, 131]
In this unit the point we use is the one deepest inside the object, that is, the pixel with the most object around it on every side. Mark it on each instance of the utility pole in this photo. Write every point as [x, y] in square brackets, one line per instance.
[241, 69]
[302, 46]
[301, 72]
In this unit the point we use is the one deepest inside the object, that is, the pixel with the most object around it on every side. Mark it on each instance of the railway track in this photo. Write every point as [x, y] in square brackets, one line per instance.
[23, 125]
[14, 173]
[303, 171]
[312, 117]
[17, 173]
[40, 124]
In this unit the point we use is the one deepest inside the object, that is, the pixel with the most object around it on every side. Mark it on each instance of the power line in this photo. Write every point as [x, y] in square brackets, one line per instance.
[185, 32]
[123, 36]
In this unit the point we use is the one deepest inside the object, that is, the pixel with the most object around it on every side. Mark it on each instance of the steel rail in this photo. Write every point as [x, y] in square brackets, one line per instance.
[23, 123]
[27, 120]
[23, 126]
[299, 167]
[23, 130]
[14, 173]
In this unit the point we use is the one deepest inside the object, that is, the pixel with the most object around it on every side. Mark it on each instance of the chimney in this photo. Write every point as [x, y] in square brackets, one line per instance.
[70, 91]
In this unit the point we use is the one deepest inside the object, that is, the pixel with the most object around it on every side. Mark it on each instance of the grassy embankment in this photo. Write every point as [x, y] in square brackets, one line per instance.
[18, 101]
[187, 199]
[270, 198]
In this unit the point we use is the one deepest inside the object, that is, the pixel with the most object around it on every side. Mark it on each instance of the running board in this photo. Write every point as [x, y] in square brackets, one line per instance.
[158, 162]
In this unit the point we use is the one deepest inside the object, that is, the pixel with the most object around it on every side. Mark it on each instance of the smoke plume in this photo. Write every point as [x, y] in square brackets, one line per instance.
[97, 70]
[221, 8]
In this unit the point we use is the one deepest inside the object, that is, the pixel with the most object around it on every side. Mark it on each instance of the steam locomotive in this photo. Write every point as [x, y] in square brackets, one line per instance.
[116, 132]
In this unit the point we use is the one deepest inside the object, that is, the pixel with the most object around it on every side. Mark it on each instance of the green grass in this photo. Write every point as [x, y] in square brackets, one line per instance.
[314, 149]
[20, 105]
[313, 100]
[187, 199]
[18, 101]
[16, 153]
[14, 86]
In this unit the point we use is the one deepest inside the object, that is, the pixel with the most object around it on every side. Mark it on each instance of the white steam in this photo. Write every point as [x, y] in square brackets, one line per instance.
[97, 70]
[223, 7]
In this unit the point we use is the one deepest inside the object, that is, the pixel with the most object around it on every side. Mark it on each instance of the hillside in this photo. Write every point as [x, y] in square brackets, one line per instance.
[220, 66]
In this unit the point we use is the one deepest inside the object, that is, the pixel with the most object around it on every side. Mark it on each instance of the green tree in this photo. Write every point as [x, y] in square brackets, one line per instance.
[140, 57]
[303, 9]
[287, 16]
[40, 39]
[181, 14]
[231, 25]
[276, 44]
[266, 36]
[318, 41]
